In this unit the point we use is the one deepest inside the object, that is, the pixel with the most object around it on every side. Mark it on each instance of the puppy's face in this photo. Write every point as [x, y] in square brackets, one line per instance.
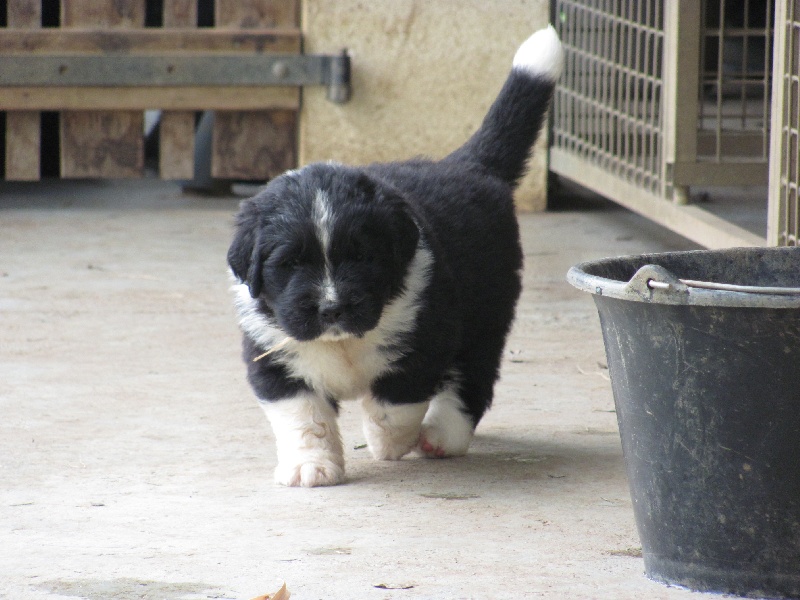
[323, 250]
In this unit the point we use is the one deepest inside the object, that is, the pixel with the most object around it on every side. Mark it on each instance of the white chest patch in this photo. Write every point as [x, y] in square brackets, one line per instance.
[343, 368]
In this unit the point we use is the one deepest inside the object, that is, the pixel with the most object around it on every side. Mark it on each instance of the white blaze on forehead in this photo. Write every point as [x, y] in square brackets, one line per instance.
[323, 219]
[322, 216]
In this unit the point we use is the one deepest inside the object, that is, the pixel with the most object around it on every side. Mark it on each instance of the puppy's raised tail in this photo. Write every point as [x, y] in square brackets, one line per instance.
[503, 143]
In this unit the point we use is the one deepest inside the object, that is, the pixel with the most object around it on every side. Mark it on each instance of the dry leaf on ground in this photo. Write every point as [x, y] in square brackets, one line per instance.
[281, 594]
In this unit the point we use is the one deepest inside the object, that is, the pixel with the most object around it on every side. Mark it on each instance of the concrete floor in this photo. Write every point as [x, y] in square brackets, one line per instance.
[135, 463]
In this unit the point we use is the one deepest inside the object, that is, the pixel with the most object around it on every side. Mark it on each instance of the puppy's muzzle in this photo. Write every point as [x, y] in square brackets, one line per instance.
[330, 313]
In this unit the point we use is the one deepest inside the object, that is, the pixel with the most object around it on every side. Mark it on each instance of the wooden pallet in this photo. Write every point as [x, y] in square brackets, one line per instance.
[101, 129]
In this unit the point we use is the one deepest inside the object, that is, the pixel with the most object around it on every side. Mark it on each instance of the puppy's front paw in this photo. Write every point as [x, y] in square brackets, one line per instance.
[446, 430]
[390, 447]
[392, 431]
[310, 451]
[312, 473]
[439, 442]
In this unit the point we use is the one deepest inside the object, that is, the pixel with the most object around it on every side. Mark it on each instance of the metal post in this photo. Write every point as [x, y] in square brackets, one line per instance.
[681, 79]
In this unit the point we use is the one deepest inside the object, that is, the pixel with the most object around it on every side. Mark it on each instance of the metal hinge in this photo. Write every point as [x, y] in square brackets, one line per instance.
[332, 71]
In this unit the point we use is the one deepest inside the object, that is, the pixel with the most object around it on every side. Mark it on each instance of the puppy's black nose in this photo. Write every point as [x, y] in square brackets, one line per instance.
[330, 312]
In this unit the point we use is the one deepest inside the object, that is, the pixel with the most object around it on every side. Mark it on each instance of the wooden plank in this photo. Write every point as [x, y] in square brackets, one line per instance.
[168, 98]
[257, 13]
[23, 141]
[174, 40]
[106, 144]
[102, 144]
[112, 13]
[24, 13]
[180, 13]
[23, 128]
[260, 144]
[253, 145]
[176, 145]
[176, 128]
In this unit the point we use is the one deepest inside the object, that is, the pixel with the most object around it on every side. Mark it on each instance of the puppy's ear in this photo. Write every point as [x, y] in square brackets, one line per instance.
[254, 278]
[406, 235]
[244, 254]
[403, 228]
[366, 187]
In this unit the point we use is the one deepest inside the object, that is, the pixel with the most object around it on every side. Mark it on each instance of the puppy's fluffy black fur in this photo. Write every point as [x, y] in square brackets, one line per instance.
[328, 251]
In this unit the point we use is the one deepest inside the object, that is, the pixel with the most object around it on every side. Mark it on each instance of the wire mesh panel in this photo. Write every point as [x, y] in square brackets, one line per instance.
[607, 105]
[660, 97]
[736, 55]
[784, 222]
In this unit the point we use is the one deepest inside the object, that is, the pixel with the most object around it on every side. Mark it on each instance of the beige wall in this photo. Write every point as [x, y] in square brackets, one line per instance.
[424, 74]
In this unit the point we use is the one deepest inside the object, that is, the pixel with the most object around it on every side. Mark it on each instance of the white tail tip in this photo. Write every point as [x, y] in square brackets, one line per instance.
[541, 54]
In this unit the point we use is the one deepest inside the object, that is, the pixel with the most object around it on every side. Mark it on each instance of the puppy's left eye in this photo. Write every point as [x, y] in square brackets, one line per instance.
[289, 261]
[360, 253]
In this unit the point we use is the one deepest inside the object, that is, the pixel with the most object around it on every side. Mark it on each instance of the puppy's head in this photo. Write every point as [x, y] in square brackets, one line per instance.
[324, 248]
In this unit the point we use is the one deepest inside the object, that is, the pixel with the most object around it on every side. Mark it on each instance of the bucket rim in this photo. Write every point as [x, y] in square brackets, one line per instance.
[670, 289]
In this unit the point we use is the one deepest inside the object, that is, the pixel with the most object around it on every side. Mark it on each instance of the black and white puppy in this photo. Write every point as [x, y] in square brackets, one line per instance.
[391, 283]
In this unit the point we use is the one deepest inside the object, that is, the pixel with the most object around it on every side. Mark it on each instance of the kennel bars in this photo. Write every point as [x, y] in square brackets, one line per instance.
[660, 97]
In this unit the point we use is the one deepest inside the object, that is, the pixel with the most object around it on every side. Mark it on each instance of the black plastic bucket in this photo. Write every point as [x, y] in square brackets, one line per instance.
[704, 356]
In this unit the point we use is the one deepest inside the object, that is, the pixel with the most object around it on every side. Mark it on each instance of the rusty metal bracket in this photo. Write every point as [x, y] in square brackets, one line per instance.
[332, 71]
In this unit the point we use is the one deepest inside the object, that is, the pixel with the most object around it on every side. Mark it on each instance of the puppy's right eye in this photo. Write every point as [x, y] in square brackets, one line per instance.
[290, 262]
[286, 259]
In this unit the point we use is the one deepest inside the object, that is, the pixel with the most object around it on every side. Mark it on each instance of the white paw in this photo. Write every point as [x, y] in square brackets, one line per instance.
[310, 474]
[440, 442]
[392, 431]
[446, 429]
[309, 446]
[384, 447]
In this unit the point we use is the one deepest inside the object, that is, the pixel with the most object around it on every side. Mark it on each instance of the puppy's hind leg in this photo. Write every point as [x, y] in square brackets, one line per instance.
[392, 430]
[310, 451]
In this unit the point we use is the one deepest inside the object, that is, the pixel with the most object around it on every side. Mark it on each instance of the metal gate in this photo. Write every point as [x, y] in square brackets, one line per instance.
[784, 210]
[658, 97]
[77, 77]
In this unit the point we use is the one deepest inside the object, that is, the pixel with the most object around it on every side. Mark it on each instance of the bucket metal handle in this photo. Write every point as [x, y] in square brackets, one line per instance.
[659, 284]
[749, 289]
